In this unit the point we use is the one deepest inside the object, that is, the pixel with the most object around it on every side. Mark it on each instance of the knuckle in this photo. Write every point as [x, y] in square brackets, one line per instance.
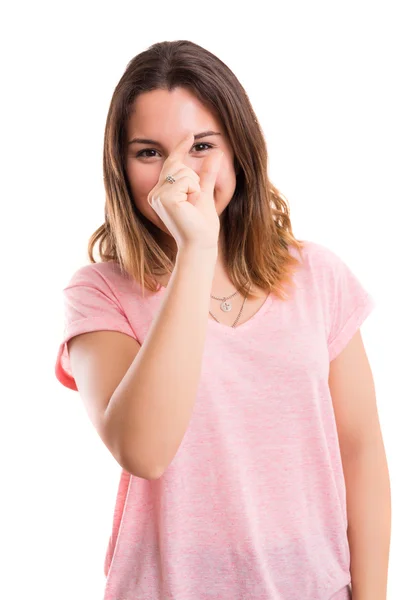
[154, 196]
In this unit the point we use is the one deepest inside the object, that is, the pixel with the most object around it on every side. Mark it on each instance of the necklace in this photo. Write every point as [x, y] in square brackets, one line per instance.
[227, 306]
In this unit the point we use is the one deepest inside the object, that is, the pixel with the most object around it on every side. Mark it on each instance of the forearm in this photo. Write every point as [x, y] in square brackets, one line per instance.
[369, 521]
[152, 406]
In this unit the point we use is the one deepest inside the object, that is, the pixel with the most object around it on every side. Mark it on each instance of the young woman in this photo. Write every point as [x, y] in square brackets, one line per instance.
[204, 344]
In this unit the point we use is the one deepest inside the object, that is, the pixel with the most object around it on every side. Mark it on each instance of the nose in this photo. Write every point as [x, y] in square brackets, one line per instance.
[191, 162]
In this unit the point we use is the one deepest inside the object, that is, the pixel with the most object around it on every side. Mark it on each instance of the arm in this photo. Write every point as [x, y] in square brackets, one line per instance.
[150, 409]
[369, 516]
[365, 470]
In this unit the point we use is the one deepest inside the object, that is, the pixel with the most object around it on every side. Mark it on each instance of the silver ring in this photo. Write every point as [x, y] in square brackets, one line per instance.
[170, 179]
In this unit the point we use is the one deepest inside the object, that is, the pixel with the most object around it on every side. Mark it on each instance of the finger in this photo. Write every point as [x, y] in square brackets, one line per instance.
[185, 183]
[188, 184]
[179, 151]
[209, 172]
[186, 171]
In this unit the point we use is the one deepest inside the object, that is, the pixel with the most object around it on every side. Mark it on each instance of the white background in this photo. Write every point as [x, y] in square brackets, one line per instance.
[323, 78]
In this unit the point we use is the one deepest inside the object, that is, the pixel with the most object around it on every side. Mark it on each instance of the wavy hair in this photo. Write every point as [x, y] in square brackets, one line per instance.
[255, 226]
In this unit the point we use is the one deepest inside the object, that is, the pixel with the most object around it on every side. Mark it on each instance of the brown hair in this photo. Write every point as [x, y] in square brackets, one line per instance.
[255, 225]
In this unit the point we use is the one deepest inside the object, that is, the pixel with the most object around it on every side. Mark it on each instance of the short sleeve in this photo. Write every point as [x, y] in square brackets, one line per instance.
[90, 304]
[350, 304]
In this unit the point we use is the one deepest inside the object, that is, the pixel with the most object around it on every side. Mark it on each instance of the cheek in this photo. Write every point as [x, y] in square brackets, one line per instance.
[143, 180]
[226, 181]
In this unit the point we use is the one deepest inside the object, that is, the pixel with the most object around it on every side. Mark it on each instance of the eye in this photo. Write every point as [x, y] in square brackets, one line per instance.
[141, 153]
[203, 144]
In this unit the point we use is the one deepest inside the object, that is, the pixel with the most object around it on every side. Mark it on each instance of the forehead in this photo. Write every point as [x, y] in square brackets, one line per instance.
[160, 110]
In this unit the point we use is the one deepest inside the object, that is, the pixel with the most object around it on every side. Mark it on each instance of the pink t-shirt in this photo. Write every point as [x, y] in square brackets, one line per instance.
[253, 505]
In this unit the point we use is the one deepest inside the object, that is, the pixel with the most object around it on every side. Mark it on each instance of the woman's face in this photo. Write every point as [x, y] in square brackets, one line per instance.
[165, 117]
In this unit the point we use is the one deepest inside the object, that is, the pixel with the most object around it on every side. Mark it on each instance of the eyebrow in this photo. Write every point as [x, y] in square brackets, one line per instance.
[197, 136]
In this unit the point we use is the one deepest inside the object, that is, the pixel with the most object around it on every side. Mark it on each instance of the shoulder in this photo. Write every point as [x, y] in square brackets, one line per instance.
[316, 258]
[315, 252]
[324, 271]
[99, 274]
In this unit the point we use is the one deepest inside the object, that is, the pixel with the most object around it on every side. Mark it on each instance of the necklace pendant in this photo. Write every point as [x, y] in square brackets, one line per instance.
[226, 306]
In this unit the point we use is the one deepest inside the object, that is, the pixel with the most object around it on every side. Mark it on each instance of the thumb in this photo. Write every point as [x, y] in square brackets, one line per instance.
[209, 172]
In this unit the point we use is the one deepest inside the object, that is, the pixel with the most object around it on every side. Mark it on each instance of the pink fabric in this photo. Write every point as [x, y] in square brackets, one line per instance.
[253, 505]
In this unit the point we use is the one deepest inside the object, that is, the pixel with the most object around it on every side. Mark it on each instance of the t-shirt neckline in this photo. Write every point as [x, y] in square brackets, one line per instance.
[241, 327]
